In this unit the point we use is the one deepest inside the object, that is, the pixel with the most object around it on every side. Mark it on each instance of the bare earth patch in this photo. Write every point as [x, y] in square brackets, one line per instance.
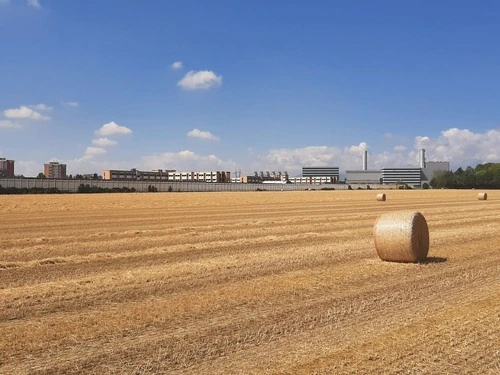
[246, 283]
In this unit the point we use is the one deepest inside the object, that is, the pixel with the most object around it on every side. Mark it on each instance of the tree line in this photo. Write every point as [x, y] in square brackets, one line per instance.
[484, 176]
[83, 188]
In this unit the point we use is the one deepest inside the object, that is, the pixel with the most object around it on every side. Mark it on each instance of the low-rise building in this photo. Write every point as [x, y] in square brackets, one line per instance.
[251, 179]
[273, 177]
[136, 175]
[316, 180]
[409, 176]
[328, 175]
[363, 177]
[166, 175]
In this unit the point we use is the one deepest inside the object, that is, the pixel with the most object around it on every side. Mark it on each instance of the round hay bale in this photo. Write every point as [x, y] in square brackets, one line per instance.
[381, 197]
[401, 236]
[482, 196]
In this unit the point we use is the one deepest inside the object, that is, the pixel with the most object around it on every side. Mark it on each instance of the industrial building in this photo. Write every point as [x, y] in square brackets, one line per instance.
[6, 168]
[249, 179]
[318, 175]
[364, 176]
[412, 176]
[257, 178]
[166, 175]
[315, 180]
[136, 175]
[409, 176]
[54, 170]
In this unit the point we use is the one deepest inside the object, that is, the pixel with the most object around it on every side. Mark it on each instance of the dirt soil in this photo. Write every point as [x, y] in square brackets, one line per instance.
[246, 283]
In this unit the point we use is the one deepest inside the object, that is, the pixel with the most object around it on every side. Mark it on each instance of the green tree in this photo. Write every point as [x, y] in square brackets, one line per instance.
[469, 178]
[41, 175]
[483, 176]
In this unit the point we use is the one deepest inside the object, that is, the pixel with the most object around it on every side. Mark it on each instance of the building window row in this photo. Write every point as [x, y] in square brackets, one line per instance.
[159, 175]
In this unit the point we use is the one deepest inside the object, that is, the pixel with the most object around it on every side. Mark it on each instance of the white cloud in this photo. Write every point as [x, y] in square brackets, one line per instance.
[70, 104]
[292, 160]
[187, 160]
[34, 3]
[41, 107]
[24, 112]
[8, 124]
[112, 128]
[461, 147]
[200, 80]
[355, 150]
[100, 144]
[92, 152]
[97, 165]
[196, 133]
[28, 168]
[347, 158]
[104, 142]
[177, 65]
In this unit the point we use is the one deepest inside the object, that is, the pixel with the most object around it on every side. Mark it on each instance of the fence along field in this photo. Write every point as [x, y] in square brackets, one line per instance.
[245, 283]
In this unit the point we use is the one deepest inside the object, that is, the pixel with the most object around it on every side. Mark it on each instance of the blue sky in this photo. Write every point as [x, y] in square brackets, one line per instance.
[247, 85]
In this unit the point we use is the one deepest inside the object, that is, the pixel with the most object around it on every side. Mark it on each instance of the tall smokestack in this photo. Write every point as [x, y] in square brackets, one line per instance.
[422, 158]
[365, 160]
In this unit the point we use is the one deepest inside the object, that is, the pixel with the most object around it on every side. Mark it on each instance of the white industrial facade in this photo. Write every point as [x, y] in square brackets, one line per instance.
[320, 174]
[313, 180]
[363, 177]
[413, 176]
[168, 175]
[410, 176]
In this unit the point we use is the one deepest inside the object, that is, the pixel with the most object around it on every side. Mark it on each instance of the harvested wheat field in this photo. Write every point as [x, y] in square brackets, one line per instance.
[246, 283]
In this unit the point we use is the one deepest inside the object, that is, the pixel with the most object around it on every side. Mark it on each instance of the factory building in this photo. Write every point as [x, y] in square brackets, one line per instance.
[262, 177]
[315, 180]
[6, 168]
[135, 175]
[412, 176]
[323, 175]
[409, 176]
[167, 175]
[363, 176]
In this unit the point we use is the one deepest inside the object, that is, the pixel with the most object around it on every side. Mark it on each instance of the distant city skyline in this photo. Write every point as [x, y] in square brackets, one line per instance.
[247, 86]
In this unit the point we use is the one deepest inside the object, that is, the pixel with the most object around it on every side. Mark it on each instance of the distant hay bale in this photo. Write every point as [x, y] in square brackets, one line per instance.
[401, 236]
[381, 197]
[482, 196]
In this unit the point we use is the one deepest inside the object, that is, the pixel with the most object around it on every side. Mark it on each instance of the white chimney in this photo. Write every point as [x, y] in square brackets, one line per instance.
[365, 160]
[422, 158]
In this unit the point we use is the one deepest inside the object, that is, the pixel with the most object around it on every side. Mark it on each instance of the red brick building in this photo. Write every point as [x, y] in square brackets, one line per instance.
[6, 168]
[54, 170]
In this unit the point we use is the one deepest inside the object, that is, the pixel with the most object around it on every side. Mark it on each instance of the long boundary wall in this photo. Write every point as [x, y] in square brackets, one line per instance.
[143, 186]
